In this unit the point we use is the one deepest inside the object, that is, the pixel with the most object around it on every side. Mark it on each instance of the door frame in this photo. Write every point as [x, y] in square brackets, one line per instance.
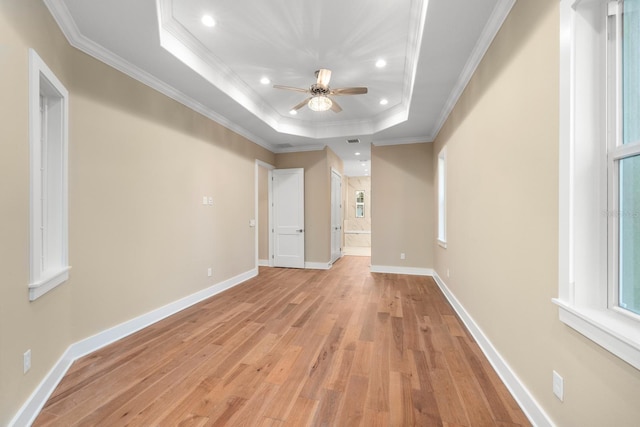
[269, 167]
[272, 215]
[340, 219]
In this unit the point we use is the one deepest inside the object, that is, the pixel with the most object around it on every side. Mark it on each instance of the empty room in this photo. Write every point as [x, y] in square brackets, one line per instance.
[292, 213]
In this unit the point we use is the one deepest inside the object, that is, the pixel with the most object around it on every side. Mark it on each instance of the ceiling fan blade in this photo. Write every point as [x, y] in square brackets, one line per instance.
[295, 89]
[349, 91]
[302, 104]
[324, 76]
[335, 107]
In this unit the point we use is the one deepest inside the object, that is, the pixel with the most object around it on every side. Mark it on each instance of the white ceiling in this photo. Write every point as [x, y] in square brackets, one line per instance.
[431, 48]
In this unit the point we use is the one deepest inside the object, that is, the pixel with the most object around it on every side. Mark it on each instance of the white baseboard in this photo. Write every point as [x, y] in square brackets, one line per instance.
[317, 265]
[414, 271]
[263, 263]
[32, 407]
[520, 393]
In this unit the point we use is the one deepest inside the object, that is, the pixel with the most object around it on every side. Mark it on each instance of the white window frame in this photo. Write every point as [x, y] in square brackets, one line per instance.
[584, 297]
[442, 197]
[48, 156]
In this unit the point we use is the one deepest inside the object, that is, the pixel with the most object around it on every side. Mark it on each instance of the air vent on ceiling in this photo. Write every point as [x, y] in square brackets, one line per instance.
[353, 141]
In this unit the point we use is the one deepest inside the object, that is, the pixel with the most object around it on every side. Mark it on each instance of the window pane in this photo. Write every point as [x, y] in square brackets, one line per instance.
[441, 198]
[629, 214]
[631, 72]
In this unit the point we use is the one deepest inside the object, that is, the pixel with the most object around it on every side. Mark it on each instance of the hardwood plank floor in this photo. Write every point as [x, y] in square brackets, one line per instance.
[342, 347]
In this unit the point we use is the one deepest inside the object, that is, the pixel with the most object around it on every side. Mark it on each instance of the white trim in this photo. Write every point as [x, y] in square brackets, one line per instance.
[520, 393]
[263, 263]
[44, 85]
[404, 141]
[498, 16]
[37, 289]
[256, 181]
[317, 265]
[340, 219]
[66, 23]
[357, 232]
[414, 271]
[34, 404]
[582, 235]
[610, 330]
[179, 42]
[442, 197]
[299, 149]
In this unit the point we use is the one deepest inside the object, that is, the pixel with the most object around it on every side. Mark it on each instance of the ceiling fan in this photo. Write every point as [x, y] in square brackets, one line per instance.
[320, 92]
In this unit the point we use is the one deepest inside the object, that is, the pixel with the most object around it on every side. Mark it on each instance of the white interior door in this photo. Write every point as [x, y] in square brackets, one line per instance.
[336, 215]
[288, 217]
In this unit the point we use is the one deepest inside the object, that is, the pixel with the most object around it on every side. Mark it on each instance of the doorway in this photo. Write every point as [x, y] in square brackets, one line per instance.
[357, 224]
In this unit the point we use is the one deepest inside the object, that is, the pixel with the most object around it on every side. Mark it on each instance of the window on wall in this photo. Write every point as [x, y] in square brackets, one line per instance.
[624, 156]
[442, 198]
[48, 131]
[599, 247]
[359, 203]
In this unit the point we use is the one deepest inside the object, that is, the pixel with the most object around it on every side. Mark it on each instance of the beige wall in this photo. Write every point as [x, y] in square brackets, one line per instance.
[502, 213]
[402, 211]
[139, 164]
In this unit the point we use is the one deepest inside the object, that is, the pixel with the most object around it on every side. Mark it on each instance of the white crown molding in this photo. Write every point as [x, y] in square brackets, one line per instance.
[179, 42]
[498, 16]
[34, 404]
[300, 148]
[401, 141]
[65, 21]
[417, 22]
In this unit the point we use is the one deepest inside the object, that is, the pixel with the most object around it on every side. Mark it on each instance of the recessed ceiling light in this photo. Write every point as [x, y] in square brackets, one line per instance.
[208, 21]
[384, 101]
[357, 154]
[293, 112]
[265, 81]
[381, 63]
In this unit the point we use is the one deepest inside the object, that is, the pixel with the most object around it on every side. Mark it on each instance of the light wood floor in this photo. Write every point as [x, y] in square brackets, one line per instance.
[342, 347]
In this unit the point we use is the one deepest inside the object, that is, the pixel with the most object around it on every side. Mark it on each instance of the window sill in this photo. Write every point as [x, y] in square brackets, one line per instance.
[613, 331]
[37, 289]
[442, 243]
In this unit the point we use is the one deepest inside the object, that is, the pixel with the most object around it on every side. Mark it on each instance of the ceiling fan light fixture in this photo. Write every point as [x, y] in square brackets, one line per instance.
[320, 103]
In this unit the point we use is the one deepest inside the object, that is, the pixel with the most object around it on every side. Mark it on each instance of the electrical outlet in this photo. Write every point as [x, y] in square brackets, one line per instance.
[210, 272]
[204, 200]
[402, 256]
[558, 386]
[26, 359]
